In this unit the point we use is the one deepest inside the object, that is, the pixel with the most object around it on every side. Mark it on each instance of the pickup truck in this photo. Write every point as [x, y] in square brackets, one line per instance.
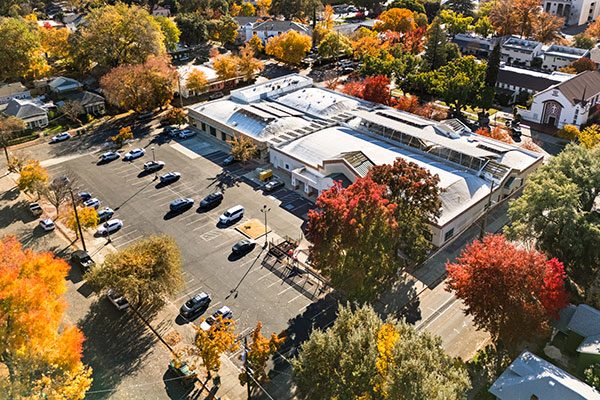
[36, 209]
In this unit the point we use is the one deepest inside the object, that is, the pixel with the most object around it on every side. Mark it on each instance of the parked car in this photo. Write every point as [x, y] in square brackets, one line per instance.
[105, 214]
[61, 137]
[181, 204]
[516, 132]
[224, 312]
[110, 226]
[36, 209]
[119, 301]
[82, 259]
[229, 160]
[169, 177]
[215, 95]
[93, 202]
[145, 115]
[47, 224]
[243, 246]
[84, 196]
[152, 166]
[186, 133]
[273, 185]
[133, 154]
[109, 156]
[194, 305]
[211, 200]
[168, 130]
[232, 214]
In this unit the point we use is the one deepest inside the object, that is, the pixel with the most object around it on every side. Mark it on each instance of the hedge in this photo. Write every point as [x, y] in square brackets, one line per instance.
[23, 139]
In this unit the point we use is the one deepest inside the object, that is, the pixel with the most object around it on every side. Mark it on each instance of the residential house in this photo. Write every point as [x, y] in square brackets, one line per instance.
[569, 102]
[516, 80]
[579, 326]
[351, 27]
[92, 103]
[62, 85]
[268, 29]
[214, 83]
[317, 136]
[556, 56]
[73, 21]
[530, 377]
[517, 51]
[471, 44]
[50, 23]
[575, 12]
[160, 11]
[13, 91]
[246, 23]
[31, 112]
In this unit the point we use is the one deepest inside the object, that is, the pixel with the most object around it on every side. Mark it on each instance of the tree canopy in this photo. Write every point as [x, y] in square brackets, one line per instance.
[170, 31]
[290, 47]
[21, 52]
[556, 211]
[334, 45]
[40, 353]
[363, 357]
[192, 27]
[397, 20]
[511, 292]
[144, 272]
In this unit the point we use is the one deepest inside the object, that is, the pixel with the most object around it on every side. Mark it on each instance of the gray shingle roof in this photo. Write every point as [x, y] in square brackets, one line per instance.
[587, 82]
[23, 109]
[85, 98]
[282, 26]
[11, 88]
[524, 80]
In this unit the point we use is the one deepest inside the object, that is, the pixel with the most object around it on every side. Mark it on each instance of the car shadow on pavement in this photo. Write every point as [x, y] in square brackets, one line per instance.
[10, 195]
[118, 344]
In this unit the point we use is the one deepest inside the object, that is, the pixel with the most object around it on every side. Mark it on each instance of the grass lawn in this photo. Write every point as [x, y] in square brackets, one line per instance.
[53, 130]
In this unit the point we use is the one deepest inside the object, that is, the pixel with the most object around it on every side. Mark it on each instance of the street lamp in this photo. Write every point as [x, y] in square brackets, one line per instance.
[265, 210]
[77, 218]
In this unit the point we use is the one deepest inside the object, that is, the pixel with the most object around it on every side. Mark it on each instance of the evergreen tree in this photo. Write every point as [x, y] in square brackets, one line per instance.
[491, 73]
[464, 7]
[436, 50]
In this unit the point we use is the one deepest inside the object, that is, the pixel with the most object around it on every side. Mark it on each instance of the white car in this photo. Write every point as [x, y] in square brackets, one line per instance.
[93, 202]
[186, 133]
[60, 137]
[224, 312]
[109, 156]
[119, 301]
[109, 227]
[47, 224]
[151, 166]
[133, 154]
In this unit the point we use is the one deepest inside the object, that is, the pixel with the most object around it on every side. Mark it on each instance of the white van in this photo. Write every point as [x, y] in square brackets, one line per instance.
[231, 215]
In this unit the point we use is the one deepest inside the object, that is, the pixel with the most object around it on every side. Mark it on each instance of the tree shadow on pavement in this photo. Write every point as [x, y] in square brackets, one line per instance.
[11, 194]
[15, 212]
[223, 180]
[400, 301]
[117, 345]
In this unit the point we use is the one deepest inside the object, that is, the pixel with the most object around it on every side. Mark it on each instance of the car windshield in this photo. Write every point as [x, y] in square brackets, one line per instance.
[190, 303]
[227, 213]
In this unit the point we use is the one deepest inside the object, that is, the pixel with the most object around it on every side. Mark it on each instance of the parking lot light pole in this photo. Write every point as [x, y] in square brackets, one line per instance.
[265, 210]
[77, 219]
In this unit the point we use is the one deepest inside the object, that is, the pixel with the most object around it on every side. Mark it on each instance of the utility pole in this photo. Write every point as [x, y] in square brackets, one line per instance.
[265, 210]
[77, 218]
[179, 88]
[485, 213]
[246, 368]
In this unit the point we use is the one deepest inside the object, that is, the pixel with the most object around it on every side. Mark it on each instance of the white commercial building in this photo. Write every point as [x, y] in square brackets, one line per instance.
[522, 52]
[575, 12]
[556, 56]
[567, 103]
[317, 136]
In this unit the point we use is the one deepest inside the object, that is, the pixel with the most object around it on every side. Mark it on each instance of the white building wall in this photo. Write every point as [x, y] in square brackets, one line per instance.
[552, 63]
[570, 114]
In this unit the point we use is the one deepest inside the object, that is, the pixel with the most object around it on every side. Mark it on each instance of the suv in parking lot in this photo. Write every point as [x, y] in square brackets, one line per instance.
[231, 215]
[194, 305]
[211, 200]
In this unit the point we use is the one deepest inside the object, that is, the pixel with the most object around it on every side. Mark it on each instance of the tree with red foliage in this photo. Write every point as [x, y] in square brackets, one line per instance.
[511, 292]
[355, 89]
[407, 103]
[377, 89]
[354, 238]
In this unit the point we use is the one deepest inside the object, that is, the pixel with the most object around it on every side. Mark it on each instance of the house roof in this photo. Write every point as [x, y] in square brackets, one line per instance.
[534, 80]
[585, 321]
[62, 83]
[12, 88]
[470, 41]
[23, 109]
[241, 20]
[585, 84]
[352, 27]
[521, 44]
[282, 26]
[529, 375]
[85, 98]
[573, 53]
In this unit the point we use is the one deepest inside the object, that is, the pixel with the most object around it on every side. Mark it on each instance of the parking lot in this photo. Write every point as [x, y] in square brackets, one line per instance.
[253, 292]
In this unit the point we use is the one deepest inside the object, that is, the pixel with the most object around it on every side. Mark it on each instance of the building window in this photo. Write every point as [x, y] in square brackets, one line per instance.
[213, 131]
[287, 166]
[448, 234]
[203, 127]
[223, 136]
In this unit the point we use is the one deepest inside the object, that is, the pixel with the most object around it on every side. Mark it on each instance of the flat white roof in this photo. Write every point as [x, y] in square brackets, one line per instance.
[462, 188]
[271, 88]
[185, 70]
[555, 76]
[319, 102]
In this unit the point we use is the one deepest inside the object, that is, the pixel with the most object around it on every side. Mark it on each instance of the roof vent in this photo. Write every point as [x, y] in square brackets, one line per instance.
[234, 123]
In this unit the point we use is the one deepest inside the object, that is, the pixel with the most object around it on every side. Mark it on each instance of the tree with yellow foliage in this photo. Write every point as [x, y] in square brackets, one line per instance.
[235, 10]
[124, 134]
[55, 44]
[397, 20]
[196, 81]
[226, 66]
[88, 219]
[211, 343]
[39, 353]
[263, 7]
[290, 47]
[256, 43]
[33, 177]
[589, 137]
[247, 65]
[258, 353]
[242, 148]
[21, 54]
[247, 10]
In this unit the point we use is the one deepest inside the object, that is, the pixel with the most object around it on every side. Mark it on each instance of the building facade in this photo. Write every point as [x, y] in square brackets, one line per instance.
[515, 80]
[520, 52]
[575, 12]
[268, 29]
[556, 56]
[13, 91]
[318, 136]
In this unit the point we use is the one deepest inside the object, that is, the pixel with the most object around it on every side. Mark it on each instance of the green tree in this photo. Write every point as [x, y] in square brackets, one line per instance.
[170, 32]
[435, 49]
[243, 148]
[583, 41]
[299, 9]
[592, 375]
[415, 6]
[363, 357]
[464, 7]
[20, 50]
[119, 34]
[334, 45]
[144, 273]
[455, 23]
[224, 30]
[556, 211]
[192, 27]
[9, 126]
[493, 66]
[483, 26]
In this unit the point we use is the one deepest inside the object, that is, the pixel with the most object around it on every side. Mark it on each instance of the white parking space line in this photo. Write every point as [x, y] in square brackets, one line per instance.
[127, 242]
[269, 273]
[139, 182]
[285, 290]
[117, 236]
[275, 283]
[195, 221]
[296, 298]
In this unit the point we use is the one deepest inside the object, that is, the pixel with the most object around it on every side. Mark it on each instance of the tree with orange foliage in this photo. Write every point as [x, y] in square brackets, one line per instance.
[211, 343]
[511, 292]
[367, 46]
[397, 20]
[593, 30]
[407, 103]
[39, 353]
[248, 66]
[226, 66]
[258, 354]
[496, 133]
[196, 81]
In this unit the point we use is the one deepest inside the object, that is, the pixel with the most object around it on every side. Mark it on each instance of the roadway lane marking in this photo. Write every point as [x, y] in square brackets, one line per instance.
[438, 313]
